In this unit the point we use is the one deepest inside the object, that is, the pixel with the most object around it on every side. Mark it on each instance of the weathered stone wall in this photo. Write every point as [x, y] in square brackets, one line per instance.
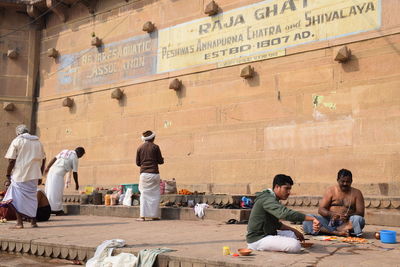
[303, 114]
[17, 76]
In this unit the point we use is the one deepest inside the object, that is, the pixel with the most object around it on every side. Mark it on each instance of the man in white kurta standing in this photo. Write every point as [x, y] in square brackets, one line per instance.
[65, 161]
[148, 157]
[25, 168]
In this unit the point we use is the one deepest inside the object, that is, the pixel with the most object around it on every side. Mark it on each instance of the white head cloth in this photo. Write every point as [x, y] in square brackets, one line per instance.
[148, 137]
[21, 129]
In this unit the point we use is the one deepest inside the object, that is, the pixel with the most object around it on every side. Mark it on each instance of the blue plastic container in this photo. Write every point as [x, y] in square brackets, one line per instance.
[388, 236]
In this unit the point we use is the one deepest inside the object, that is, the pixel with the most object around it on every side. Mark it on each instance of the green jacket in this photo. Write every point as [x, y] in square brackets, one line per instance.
[265, 216]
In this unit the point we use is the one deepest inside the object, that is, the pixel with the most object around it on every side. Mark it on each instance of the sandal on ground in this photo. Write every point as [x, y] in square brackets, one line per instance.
[60, 213]
[141, 219]
[231, 221]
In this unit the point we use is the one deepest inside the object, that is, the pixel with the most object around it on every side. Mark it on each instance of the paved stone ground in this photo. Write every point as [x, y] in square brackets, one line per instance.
[201, 242]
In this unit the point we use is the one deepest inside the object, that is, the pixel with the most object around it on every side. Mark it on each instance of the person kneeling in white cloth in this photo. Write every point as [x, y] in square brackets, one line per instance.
[265, 231]
[148, 157]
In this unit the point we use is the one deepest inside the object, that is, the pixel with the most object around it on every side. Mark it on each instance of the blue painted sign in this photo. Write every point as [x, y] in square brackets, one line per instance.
[112, 63]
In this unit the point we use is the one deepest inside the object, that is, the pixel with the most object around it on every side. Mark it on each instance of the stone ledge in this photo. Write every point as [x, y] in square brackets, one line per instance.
[370, 202]
[167, 213]
[69, 252]
[224, 199]
[369, 189]
[385, 217]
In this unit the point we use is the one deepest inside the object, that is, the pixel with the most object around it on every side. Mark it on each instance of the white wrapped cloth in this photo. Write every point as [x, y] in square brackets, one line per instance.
[23, 196]
[285, 241]
[67, 161]
[199, 210]
[54, 187]
[121, 260]
[127, 201]
[149, 187]
[102, 257]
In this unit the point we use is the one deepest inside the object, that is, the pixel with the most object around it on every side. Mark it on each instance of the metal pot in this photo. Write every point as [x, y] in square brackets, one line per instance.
[377, 235]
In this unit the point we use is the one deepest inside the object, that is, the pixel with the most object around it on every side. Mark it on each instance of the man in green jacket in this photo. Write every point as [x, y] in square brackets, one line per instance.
[265, 231]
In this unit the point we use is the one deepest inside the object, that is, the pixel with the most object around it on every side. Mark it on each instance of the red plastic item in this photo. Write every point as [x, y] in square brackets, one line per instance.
[235, 255]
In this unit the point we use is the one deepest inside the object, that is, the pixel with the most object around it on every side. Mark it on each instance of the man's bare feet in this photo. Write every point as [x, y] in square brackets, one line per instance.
[34, 225]
[344, 229]
[341, 233]
[17, 226]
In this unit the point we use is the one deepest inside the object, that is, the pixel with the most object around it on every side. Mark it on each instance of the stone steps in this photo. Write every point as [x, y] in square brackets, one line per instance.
[302, 201]
[379, 210]
[385, 217]
[167, 213]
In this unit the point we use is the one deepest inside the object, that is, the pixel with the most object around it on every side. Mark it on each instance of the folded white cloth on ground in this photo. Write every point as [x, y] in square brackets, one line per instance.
[199, 209]
[104, 251]
[120, 260]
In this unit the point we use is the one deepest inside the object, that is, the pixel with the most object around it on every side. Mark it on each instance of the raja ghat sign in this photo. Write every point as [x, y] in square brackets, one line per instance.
[250, 33]
[256, 30]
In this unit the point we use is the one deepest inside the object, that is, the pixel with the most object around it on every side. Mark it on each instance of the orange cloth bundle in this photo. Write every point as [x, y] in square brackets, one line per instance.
[185, 192]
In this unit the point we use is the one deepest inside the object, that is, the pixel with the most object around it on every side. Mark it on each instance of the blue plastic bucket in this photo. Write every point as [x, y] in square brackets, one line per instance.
[388, 236]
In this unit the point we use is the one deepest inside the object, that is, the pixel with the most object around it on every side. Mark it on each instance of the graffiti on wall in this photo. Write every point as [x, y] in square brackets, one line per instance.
[128, 59]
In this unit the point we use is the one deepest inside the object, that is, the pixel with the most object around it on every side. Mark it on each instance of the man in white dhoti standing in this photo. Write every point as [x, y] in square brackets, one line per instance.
[148, 157]
[25, 168]
[65, 161]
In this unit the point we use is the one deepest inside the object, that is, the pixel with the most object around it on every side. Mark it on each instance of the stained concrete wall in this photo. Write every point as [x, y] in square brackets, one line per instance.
[303, 114]
[17, 76]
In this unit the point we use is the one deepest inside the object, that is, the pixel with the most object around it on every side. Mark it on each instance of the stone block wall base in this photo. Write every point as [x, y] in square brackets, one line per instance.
[47, 249]
[167, 213]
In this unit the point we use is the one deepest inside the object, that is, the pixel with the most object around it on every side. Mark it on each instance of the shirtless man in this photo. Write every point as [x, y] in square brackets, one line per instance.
[44, 210]
[342, 209]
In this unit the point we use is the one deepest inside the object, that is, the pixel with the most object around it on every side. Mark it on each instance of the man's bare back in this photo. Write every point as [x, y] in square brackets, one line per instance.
[42, 199]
